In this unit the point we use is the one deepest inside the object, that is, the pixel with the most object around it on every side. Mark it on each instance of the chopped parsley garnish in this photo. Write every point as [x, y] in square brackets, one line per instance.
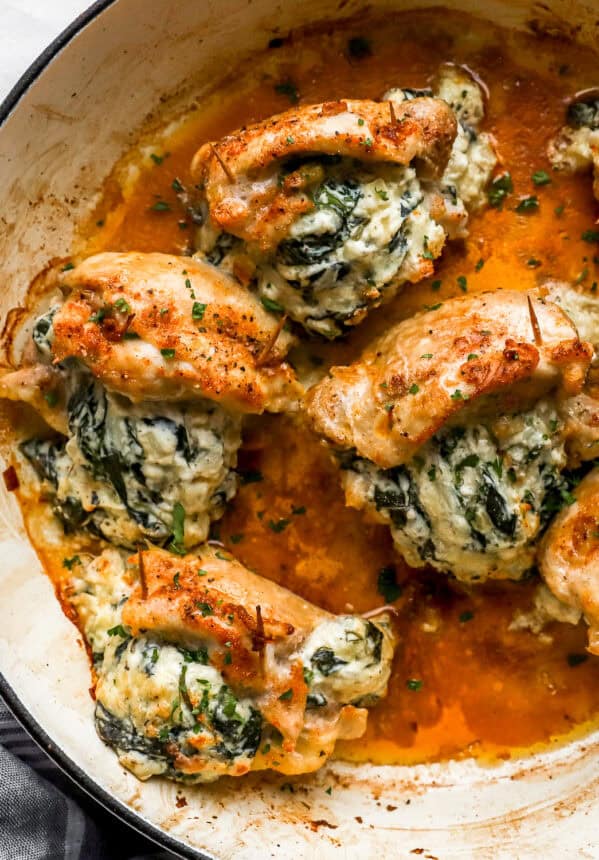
[436, 285]
[278, 526]
[479, 265]
[177, 186]
[501, 186]
[427, 253]
[457, 395]
[119, 630]
[290, 140]
[286, 696]
[387, 585]
[67, 267]
[237, 538]
[168, 352]
[271, 305]
[559, 210]
[308, 676]
[590, 236]
[251, 476]
[533, 263]
[426, 355]
[131, 335]
[51, 398]
[157, 159]
[177, 544]
[497, 466]
[433, 307]
[160, 206]
[301, 509]
[381, 192]
[122, 306]
[198, 310]
[202, 572]
[414, 389]
[576, 659]
[98, 316]
[432, 473]
[541, 177]
[176, 582]
[472, 356]
[69, 563]
[528, 204]
[205, 608]
[359, 48]
[288, 88]
[414, 684]
[462, 283]
[466, 616]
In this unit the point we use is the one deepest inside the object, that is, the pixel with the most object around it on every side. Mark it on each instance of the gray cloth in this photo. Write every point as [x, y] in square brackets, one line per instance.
[44, 816]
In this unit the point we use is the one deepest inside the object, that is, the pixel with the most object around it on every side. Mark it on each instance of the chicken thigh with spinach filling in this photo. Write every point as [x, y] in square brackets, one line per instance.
[370, 227]
[171, 702]
[158, 703]
[131, 472]
[345, 217]
[475, 498]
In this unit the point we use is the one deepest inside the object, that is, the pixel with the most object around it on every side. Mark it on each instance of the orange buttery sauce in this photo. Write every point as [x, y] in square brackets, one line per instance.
[476, 688]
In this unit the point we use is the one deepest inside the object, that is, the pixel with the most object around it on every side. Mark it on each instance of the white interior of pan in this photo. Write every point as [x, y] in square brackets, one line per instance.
[55, 148]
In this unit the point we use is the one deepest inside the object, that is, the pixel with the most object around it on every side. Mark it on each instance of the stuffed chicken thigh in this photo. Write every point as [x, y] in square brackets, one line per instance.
[206, 669]
[322, 208]
[449, 429]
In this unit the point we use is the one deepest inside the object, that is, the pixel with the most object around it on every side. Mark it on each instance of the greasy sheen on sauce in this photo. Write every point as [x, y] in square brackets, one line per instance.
[462, 683]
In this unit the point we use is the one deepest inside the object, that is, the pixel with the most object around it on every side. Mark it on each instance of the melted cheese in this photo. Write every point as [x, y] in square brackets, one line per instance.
[474, 499]
[126, 466]
[353, 259]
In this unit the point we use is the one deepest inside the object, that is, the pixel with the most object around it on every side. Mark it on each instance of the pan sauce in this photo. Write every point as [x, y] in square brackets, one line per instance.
[463, 684]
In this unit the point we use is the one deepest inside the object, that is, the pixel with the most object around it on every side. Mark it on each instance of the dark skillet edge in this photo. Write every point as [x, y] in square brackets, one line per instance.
[88, 784]
[25, 718]
[48, 54]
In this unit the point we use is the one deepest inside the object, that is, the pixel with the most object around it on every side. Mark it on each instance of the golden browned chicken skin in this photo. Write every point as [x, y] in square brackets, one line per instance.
[160, 327]
[424, 371]
[569, 555]
[239, 175]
